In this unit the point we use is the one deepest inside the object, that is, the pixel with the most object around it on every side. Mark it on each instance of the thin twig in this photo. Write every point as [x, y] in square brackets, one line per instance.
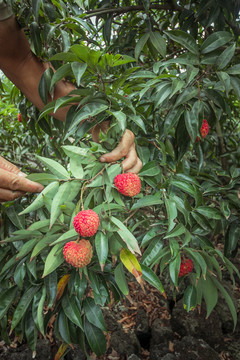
[126, 9]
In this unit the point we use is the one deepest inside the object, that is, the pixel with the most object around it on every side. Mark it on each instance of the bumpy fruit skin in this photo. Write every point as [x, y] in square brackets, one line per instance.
[204, 130]
[86, 223]
[128, 184]
[78, 254]
[186, 267]
[19, 117]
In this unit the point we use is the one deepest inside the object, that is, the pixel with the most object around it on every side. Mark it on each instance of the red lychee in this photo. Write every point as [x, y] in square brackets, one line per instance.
[128, 184]
[186, 267]
[19, 117]
[204, 130]
[78, 254]
[86, 222]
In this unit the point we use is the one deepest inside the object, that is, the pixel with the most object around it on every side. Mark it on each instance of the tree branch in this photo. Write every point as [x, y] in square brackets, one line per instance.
[122, 10]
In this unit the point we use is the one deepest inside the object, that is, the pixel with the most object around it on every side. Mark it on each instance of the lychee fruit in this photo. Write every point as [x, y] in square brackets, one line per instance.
[86, 222]
[19, 117]
[128, 184]
[186, 267]
[204, 130]
[78, 254]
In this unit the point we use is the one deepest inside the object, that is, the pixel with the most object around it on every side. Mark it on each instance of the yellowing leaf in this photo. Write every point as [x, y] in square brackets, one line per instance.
[61, 285]
[131, 263]
[61, 351]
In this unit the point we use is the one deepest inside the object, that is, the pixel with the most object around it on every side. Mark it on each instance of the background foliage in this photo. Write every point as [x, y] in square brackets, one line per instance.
[158, 69]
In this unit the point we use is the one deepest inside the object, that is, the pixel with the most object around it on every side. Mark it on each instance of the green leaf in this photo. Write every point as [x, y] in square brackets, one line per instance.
[43, 178]
[158, 42]
[150, 169]
[234, 70]
[191, 120]
[19, 273]
[60, 73]
[23, 305]
[190, 298]
[210, 294]
[59, 199]
[54, 260]
[174, 267]
[26, 248]
[49, 191]
[187, 94]
[209, 212]
[43, 89]
[63, 327]
[226, 56]
[36, 4]
[178, 230]
[235, 82]
[232, 239]
[7, 298]
[101, 245]
[31, 331]
[36, 38]
[153, 253]
[150, 276]
[139, 122]
[215, 40]
[228, 299]
[140, 44]
[13, 214]
[40, 317]
[73, 151]
[199, 260]
[78, 71]
[148, 200]
[42, 244]
[88, 111]
[126, 236]
[184, 186]
[70, 234]
[95, 338]
[120, 279]
[172, 119]
[50, 282]
[171, 213]
[56, 168]
[184, 39]
[93, 313]
[72, 310]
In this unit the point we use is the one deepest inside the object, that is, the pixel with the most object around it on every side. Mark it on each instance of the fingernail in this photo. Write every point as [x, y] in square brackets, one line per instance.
[40, 187]
[22, 174]
[102, 159]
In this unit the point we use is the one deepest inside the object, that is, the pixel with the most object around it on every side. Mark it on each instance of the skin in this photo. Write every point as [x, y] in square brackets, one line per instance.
[24, 69]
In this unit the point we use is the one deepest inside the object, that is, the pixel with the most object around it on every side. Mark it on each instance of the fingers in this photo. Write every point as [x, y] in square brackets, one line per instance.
[121, 150]
[8, 195]
[103, 126]
[136, 168]
[11, 181]
[130, 159]
[6, 165]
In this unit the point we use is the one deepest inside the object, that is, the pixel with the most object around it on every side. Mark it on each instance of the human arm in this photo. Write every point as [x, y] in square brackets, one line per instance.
[24, 69]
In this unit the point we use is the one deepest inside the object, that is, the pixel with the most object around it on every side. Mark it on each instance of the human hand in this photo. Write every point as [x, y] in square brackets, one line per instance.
[13, 183]
[126, 149]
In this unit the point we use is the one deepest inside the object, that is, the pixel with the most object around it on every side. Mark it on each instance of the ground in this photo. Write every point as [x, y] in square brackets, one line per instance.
[147, 326]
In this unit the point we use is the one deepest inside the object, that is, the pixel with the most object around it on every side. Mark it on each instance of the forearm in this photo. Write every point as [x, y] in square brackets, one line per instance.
[23, 68]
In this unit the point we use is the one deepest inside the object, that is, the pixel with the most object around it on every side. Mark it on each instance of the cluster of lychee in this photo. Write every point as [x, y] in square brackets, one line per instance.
[186, 267]
[204, 130]
[19, 117]
[79, 253]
